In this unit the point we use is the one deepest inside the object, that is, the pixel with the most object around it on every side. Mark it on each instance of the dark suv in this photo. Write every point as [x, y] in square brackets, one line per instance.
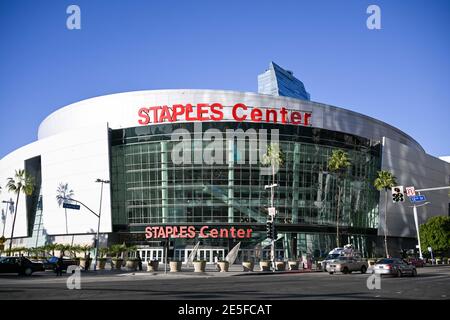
[19, 265]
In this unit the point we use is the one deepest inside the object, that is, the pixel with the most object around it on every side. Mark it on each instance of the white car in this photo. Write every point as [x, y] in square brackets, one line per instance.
[347, 265]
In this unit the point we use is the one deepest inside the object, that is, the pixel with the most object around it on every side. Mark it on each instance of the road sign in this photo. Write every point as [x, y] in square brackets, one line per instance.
[71, 206]
[272, 211]
[418, 198]
[410, 191]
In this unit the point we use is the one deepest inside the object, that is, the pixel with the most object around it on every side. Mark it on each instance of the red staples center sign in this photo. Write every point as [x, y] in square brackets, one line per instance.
[217, 112]
[190, 232]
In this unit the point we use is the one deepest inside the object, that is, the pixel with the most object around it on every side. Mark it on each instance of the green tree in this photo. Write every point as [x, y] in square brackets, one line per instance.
[22, 182]
[63, 193]
[338, 163]
[435, 233]
[384, 181]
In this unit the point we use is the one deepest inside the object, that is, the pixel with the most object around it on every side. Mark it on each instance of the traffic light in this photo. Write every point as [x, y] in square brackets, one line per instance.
[398, 194]
[269, 230]
[275, 232]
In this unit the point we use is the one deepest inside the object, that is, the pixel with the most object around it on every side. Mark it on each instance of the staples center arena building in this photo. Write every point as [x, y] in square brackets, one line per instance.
[129, 139]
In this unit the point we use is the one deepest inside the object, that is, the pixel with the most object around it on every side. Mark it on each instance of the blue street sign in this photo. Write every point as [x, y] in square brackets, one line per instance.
[417, 198]
[71, 206]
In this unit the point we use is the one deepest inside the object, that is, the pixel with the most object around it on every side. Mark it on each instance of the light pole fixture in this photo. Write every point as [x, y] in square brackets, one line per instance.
[416, 221]
[97, 238]
[272, 213]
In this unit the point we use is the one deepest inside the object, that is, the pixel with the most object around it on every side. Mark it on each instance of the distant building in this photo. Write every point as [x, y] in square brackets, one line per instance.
[277, 81]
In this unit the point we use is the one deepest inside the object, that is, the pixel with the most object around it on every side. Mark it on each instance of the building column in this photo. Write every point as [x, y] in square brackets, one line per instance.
[295, 183]
[230, 157]
[164, 182]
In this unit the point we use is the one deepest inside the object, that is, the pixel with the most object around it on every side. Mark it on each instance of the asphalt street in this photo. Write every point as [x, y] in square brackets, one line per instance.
[431, 283]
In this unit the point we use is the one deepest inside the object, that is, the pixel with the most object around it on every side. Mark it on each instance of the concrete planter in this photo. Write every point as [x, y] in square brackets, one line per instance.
[116, 264]
[224, 266]
[248, 265]
[152, 266]
[85, 262]
[199, 266]
[280, 265]
[175, 266]
[438, 261]
[264, 265]
[101, 263]
[293, 265]
[131, 264]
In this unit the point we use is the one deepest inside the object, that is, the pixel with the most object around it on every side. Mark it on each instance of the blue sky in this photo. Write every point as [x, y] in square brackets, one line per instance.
[399, 74]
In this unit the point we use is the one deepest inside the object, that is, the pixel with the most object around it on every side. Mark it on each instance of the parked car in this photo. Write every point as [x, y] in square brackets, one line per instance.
[329, 258]
[50, 264]
[394, 266]
[418, 263]
[19, 265]
[347, 265]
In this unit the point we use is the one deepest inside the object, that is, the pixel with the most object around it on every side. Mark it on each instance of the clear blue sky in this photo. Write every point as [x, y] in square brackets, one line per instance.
[400, 74]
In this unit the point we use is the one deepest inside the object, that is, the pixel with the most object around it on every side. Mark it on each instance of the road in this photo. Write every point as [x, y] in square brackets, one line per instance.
[431, 283]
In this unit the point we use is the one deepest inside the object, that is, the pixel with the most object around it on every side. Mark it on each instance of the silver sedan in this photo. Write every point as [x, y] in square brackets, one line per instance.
[394, 266]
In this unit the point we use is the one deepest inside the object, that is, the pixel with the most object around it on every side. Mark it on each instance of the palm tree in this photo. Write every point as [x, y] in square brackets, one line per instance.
[63, 193]
[22, 182]
[273, 157]
[338, 163]
[385, 180]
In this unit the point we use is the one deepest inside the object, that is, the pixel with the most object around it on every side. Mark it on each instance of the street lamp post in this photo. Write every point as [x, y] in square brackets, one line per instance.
[416, 221]
[272, 213]
[97, 238]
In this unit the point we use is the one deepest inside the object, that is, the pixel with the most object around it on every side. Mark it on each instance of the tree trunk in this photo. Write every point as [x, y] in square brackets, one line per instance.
[385, 224]
[14, 222]
[337, 216]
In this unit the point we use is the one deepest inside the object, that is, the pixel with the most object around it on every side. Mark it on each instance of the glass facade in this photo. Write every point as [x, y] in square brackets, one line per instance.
[280, 82]
[149, 189]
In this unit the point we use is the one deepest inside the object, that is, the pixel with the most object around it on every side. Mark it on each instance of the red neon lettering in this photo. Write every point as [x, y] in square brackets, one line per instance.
[274, 113]
[256, 115]
[296, 117]
[201, 109]
[306, 118]
[283, 112]
[189, 110]
[155, 112]
[191, 232]
[234, 112]
[216, 109]
[165, 114]
[202, 232]
[178, 110]
[148, 232]
[161, 233]
[143, 113]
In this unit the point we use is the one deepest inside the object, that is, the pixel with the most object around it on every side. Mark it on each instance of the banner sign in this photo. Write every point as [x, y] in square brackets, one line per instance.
[190, 232]
[217, 112]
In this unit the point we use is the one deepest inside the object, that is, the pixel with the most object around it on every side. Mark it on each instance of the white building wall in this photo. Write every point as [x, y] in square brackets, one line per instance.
[76, 157]
[412, 168]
